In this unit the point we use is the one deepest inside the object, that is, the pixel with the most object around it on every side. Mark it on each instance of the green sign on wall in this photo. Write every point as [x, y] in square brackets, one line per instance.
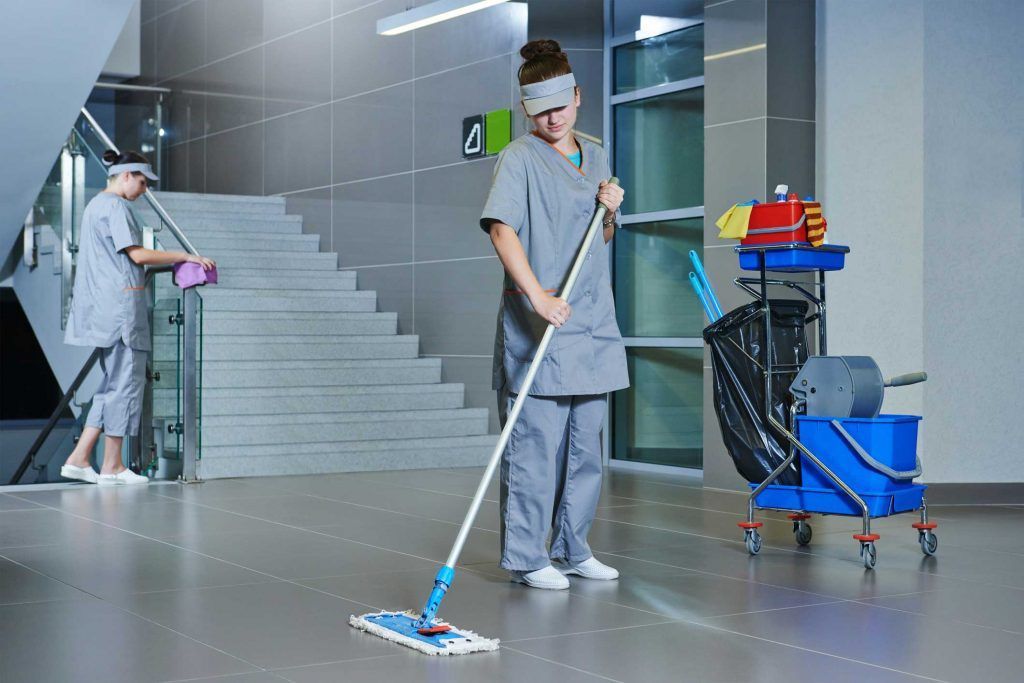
[486, 134]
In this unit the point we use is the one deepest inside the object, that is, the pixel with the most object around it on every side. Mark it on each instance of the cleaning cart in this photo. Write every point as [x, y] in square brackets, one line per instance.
[805, 430]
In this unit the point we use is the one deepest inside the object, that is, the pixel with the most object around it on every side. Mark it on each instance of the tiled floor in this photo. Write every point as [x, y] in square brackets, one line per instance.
[253, 581]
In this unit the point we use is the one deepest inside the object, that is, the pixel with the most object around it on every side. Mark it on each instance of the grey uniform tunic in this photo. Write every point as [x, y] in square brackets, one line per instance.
[551, 469]
[108, 302]
[108, 311]
[550, 203]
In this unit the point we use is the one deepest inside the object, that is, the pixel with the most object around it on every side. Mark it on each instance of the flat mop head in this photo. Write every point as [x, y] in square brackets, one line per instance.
[400, 627]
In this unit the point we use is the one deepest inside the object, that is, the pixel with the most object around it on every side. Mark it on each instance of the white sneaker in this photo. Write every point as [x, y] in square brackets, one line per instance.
[547, 578]
[590, 569]
[122, 478]
[86, 474]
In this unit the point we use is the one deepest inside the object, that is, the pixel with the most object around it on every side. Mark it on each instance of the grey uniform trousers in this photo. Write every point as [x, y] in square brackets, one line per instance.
[550, 479]
[117, 403]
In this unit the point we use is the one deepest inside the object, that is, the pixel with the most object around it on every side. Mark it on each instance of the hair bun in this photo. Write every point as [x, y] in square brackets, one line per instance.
[110, 157]
[535, 48]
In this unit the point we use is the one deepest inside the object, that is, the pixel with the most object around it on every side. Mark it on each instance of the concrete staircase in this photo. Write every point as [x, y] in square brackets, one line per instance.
[300, 372]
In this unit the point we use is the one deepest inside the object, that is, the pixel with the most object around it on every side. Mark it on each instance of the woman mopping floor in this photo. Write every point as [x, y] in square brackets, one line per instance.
[108, 311]
[552, 388]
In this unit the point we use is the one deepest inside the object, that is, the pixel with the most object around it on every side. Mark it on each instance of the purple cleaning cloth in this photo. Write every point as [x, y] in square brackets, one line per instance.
[187, 274]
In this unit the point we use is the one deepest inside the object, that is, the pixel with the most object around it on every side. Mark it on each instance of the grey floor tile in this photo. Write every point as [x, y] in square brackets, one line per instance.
[19, 584]
[845, 579]
[491, 605]
[8, 502]
[145, 651]
[908, 642]
[419, 537]
[257, 677]
[681, 594]
[296, 554]
[989, 606]
[209, 492]
[674, 652]
[168, 519]
[131, 565]
[504, 666]
[272, 625]
[20, 528]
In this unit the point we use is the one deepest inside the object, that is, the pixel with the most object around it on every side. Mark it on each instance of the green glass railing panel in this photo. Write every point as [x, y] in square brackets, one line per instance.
[663, 59]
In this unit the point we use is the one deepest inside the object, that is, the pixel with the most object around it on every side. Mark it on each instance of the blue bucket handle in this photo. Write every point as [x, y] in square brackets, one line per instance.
[874, 464]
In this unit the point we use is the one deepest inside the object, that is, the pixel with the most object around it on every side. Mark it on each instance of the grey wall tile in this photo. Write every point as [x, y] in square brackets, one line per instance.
[298, 69]
[479, 35]
[373, 134]
[196, 159]
[475, 373]
[393, 285]
[734, 169]
[373, 221]
[181, 40]
[364, 60]
[791, 62]
[315, 208]
[448, 205]
[176, 176]
[343, 6]
[297, 152]
[456, 305]
[185, 109]
[234, 161]
[233, 90]
[573, 23]
[734, 25]
[232, 26]
[588, 68]
[147, 48]
[443, 100]
[284, 16]
[735, 87]
[790, 156]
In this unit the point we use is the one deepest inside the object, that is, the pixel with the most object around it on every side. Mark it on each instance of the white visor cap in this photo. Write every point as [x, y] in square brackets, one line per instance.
[554, 93]
[144, 169]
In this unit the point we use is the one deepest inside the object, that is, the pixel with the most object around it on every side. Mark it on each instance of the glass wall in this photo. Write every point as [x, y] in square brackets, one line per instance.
[656, 131]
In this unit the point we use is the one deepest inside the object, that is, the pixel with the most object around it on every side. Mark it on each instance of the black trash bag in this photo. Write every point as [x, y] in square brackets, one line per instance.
[735, 341]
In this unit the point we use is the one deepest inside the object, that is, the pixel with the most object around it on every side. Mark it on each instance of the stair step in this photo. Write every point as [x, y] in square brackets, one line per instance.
[216, 203]
[214, 301]
[253, 279]
[245, 243]
[309, 373]
[296, 324]
[273, 260]
[300, 428]
[192, 223]
[350, 456]
[168, 291]
[286, 400]
[345, 348]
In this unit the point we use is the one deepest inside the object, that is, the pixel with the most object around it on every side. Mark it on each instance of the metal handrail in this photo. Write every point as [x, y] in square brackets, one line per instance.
[175, 230]
[65, 401]
[128, 87]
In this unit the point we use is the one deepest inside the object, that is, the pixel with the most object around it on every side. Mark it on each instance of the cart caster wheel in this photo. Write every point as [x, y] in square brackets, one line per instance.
[869, 555]
[753, 541]
[929, 543]
[803, 533]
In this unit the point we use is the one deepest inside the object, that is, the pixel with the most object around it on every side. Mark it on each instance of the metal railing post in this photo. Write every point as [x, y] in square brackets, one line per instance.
[189, 386]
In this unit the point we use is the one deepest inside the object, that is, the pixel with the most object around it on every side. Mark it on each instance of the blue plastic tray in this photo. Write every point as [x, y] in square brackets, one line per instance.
[797, 257]
[832, 502]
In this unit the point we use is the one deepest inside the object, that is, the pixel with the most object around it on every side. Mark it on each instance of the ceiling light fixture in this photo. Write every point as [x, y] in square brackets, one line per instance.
[431, 13]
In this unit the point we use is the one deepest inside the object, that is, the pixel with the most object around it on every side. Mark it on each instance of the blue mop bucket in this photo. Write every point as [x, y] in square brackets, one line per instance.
[889, 439]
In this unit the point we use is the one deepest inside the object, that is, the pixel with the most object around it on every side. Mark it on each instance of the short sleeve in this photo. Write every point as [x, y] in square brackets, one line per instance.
[506, 202]
[121, 229]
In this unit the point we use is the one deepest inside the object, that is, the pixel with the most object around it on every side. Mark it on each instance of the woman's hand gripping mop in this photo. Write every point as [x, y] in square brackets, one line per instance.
[425, 632]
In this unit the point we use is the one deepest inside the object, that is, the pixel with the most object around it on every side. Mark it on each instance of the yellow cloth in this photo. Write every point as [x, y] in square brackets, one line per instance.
[733, 223]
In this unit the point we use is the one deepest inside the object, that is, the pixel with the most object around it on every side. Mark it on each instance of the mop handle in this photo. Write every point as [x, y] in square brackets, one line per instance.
[524, 391]
[695, 281]
[698, 268]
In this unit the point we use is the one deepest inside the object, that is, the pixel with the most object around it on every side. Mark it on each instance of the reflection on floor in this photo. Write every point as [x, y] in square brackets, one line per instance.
[253, 581]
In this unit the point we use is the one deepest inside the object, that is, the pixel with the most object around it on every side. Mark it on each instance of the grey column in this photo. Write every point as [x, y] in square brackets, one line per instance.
[759, 104]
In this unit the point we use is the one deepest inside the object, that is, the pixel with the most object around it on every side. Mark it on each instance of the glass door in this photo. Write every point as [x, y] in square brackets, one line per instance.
[655, 126]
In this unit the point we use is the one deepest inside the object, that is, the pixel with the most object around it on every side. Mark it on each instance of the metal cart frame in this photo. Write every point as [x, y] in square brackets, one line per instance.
[801, 529]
